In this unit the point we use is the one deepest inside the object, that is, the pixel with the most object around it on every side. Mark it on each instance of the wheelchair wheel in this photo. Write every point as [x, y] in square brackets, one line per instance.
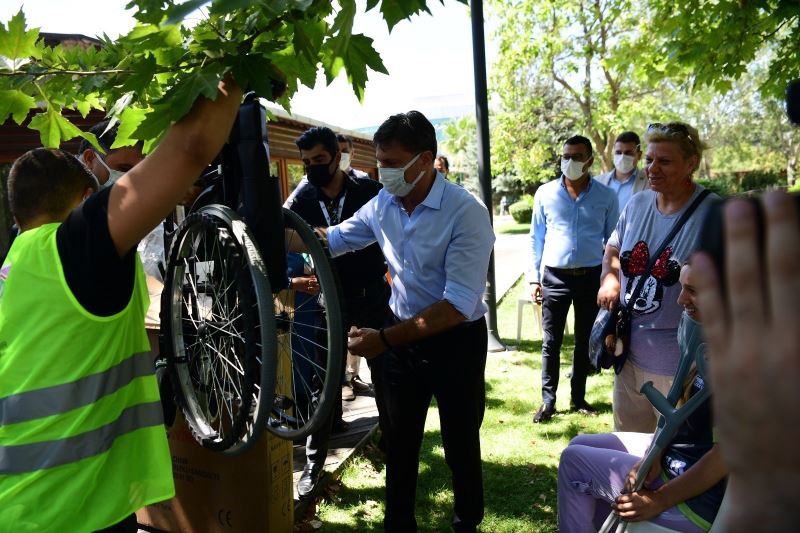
[219, 326]
[311, 341]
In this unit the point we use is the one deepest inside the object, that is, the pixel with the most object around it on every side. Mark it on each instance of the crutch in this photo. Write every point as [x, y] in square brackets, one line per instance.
[668, 423]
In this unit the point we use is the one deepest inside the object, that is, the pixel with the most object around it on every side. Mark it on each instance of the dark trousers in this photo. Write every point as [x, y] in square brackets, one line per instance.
[560, 289]
[367, 310]
[128, 525]
[450, 367]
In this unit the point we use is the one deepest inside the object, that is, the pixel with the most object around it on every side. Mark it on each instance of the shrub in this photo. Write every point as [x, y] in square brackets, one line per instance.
[730, 184]
[759, 181]
[521, 212]
[721, 187]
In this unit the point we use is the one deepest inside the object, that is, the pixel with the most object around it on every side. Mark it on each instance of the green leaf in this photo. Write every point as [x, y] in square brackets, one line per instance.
[90, 101]
[360, 55]
[177, 101]
[154, 124]
[15, 103]
[255, 73]
[308, 36]
[152, 37]
[343, 23]
[129, 122]
[54, 128]
[396, 10]
[223, 7]
[16, 43]
[148, 11]
[143, 72]
[177, 13]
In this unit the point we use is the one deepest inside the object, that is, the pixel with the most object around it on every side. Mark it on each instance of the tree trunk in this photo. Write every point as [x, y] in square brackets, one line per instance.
[793, 166]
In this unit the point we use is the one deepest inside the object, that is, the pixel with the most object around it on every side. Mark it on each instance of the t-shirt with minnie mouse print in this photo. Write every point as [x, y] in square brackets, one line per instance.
[639, 232]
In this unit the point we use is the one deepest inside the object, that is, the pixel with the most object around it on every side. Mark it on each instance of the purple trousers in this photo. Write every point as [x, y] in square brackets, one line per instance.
[591, 474]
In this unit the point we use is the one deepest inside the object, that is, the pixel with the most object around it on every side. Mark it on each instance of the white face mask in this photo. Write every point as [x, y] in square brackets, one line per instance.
[344, 164]
[572, 169]
[394, 179]
[113, 175]
[624, 163]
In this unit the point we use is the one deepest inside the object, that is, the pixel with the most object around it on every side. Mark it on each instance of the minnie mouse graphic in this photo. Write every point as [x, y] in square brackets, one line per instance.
[665, 273]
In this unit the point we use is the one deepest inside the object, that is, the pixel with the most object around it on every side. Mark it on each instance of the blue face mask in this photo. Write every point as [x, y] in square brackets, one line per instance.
[692, 342]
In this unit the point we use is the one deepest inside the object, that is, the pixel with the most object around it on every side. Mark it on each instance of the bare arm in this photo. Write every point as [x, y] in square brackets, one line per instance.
[608, 294]
[434, 319]
[646, 504]
[151, 189]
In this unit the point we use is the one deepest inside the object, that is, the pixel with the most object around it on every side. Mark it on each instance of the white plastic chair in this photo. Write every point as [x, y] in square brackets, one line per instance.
[523, 300]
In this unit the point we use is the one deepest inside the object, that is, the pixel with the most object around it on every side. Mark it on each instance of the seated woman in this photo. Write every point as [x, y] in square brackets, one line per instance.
[684, 488]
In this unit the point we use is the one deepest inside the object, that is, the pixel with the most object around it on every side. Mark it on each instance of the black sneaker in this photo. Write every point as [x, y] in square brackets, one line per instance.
[544, 413]
[583, 407]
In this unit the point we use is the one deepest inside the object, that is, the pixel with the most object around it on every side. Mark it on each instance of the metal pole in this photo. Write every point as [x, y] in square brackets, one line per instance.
[484, 170]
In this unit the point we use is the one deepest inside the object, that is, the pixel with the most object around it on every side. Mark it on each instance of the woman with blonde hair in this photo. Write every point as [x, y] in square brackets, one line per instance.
[674, 151]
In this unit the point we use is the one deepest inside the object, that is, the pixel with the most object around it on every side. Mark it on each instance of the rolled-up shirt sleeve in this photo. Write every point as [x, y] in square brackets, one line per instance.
[537, 235]
[467, 259]
[354, 233]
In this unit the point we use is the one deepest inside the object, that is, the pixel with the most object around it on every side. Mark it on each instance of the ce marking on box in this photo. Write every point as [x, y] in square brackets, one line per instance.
[224, 518]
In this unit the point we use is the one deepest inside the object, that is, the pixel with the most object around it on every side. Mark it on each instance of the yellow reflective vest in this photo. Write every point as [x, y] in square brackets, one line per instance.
[82, 442]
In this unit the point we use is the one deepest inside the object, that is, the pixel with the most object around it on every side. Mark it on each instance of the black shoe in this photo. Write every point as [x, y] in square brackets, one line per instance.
[308, 479]
[360, 386]
[340, 426]
[544, 413]
[583, 407]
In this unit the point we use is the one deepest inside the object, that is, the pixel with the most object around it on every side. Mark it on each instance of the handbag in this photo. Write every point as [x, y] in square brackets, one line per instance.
[604, 330]
[613, 328]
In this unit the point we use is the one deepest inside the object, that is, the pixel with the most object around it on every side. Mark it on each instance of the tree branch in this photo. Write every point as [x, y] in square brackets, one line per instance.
[51, 72]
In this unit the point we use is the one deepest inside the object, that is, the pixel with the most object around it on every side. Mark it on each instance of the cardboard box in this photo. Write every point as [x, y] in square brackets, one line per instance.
[250, 492]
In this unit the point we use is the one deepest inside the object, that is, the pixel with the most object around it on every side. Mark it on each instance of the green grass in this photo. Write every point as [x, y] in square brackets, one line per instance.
[512, 228]
[520, 459]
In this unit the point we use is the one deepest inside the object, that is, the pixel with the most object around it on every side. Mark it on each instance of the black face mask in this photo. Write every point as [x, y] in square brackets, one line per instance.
[319, 175]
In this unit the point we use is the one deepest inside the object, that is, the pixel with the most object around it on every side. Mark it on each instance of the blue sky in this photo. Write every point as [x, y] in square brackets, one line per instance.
[429, 59]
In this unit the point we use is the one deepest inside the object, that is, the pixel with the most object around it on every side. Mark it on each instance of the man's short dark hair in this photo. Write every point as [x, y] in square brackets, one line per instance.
[318, 135]
[345, 139]
[580, 139]
[46, 181]
[628, 137]
[410, 130]
[444, 161]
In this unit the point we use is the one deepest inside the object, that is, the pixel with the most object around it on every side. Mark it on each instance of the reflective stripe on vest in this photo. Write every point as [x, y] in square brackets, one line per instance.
[59, 399]
[80, 416]
[31, 457]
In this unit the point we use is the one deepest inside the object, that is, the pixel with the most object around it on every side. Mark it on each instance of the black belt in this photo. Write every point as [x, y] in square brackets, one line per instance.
[394, 319]
[573, 271]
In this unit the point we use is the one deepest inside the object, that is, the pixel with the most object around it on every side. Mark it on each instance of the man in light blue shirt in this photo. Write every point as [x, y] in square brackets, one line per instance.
[437, 239]
[626, 178]
[573, 217]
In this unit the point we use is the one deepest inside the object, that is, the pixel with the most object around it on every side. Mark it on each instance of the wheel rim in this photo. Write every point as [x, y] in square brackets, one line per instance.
[219, 332]
[310, 344]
